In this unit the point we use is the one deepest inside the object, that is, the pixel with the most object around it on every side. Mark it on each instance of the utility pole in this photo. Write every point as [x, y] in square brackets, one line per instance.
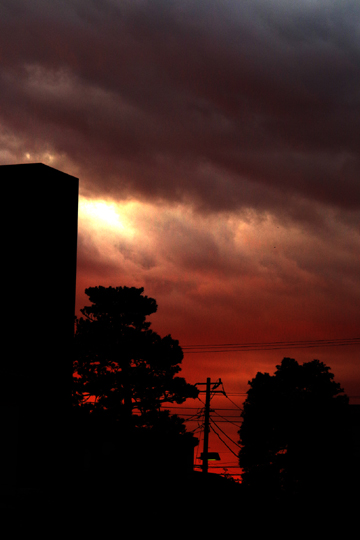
[208, 392]
[206, 427]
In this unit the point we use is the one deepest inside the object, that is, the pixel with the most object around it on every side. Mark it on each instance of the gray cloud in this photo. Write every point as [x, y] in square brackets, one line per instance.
[237, 105]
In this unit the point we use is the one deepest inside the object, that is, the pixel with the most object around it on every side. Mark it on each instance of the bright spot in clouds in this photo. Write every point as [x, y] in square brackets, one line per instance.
[100, 212]
[108, 219]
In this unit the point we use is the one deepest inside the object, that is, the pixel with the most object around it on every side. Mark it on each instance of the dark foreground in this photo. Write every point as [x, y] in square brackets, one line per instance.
[188, 505]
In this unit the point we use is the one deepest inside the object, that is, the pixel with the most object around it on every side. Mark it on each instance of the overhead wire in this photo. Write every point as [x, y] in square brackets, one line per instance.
[269, 345]
[233, 402]
[230, 439]
[246, 347]
[227, 420]
[228, 447]
[202, 410]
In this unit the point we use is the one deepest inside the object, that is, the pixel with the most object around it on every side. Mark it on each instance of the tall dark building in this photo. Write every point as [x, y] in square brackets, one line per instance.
[39, 217]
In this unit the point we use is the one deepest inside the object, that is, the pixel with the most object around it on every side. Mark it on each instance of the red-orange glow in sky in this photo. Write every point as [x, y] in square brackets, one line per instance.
[218, 158]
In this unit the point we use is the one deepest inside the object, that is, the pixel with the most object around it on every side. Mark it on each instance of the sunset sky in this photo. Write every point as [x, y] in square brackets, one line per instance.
[217, 145]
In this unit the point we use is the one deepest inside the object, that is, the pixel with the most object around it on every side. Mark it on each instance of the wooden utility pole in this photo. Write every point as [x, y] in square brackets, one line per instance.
[208, 391]
[206, 427]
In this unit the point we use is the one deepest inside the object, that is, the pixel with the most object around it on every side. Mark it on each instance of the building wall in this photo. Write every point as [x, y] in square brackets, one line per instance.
[39, 283]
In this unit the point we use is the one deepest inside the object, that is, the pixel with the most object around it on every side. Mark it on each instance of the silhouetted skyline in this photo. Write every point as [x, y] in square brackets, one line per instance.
[218, 157]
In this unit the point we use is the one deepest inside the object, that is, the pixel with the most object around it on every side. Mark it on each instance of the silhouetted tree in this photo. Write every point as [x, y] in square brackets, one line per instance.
[294, 432]
[122, 369]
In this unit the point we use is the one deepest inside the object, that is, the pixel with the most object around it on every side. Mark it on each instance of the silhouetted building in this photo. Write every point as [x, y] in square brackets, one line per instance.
[40, 213]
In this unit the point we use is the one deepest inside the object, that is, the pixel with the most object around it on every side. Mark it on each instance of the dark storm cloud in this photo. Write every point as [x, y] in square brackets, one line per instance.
[224, 105]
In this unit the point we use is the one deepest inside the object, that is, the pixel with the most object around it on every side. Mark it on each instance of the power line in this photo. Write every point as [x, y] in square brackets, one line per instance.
[191, 418]
[217, 408]
[233, 402]
[210, 425]
[252, 343]
[269, 345]
[226, 418]
[230, 439]
[228, 447]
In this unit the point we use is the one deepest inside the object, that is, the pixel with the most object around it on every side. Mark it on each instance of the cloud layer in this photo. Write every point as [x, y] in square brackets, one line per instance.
[229, 106]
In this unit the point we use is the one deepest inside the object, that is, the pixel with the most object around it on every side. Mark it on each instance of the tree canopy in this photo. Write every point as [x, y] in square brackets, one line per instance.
[122, 368]
[293, 435]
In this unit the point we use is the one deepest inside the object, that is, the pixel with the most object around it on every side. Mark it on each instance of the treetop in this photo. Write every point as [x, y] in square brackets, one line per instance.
[125, 305]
